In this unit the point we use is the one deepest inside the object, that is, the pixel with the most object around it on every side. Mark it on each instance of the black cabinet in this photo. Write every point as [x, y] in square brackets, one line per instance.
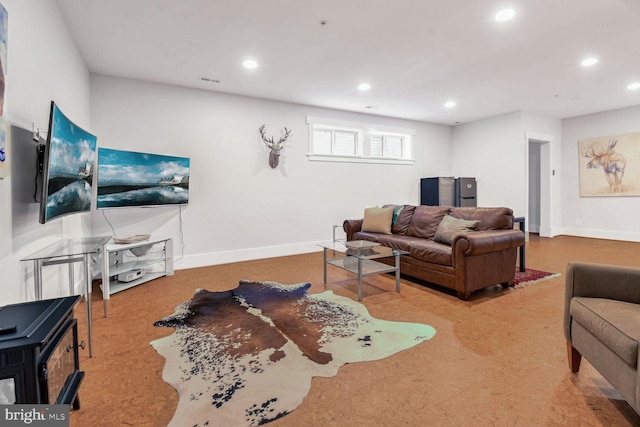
[437, 191]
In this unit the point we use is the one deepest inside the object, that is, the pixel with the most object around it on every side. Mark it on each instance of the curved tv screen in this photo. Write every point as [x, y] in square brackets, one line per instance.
[129, 178]
[69, 159]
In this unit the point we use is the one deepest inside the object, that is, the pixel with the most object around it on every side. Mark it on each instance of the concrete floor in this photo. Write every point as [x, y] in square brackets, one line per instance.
[498, 359]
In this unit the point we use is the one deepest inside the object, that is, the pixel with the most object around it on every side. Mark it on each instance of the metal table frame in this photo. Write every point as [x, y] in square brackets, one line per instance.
[362, 264]
[68, 251]
[521, 221]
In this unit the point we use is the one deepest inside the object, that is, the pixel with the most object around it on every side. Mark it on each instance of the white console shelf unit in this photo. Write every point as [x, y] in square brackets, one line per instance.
[154, 257]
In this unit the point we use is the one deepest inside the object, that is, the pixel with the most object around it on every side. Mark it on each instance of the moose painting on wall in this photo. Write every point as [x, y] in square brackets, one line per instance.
[610, 165]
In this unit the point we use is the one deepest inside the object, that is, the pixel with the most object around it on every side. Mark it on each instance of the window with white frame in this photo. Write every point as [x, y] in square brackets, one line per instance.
[336, 142]
[389, 146]
[340, 141]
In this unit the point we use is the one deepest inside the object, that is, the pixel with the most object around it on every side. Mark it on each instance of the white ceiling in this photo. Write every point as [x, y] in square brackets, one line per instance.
[416, 54]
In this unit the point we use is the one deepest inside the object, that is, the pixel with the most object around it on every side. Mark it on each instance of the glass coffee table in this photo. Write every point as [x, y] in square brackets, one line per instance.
[360, 256]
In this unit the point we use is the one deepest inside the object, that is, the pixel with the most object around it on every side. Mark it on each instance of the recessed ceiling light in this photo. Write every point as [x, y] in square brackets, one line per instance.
[250, 64]
[450, 104]
[505, 15]
[589, 62]
[364, 86]
[634, 86]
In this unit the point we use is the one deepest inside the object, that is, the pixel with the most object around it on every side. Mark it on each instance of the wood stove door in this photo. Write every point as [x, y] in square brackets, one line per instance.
[58, 368]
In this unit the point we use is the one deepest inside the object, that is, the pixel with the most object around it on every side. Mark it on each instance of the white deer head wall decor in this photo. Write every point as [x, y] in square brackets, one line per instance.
[275, 147]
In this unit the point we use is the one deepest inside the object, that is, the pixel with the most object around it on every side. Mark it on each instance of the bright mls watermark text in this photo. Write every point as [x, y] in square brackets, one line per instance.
[34, 415]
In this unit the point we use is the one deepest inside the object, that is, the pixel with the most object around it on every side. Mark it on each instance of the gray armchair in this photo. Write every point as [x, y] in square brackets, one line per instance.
[602, 323]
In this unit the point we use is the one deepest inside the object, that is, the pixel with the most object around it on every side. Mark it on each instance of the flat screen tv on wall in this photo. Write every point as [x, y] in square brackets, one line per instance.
[130, 179]
[68, 168]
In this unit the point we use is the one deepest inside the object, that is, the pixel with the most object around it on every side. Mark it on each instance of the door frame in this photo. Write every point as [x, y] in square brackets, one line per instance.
[546, 176]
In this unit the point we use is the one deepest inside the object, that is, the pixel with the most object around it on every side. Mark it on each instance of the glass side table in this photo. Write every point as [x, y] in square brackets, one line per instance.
[68, 251]
[359, 259]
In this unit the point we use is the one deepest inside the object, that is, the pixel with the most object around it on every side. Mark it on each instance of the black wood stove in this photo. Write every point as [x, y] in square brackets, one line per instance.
[39, 361]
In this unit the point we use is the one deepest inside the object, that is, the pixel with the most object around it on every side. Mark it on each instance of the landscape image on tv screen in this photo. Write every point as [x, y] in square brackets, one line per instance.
[70, 154]
[129, 178]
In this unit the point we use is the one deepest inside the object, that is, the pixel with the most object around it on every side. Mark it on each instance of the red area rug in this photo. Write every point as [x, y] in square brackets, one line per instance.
[525, 278]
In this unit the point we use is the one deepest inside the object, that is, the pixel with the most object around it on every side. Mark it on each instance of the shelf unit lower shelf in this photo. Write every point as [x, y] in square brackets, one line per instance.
[152, 259]
[116, 286]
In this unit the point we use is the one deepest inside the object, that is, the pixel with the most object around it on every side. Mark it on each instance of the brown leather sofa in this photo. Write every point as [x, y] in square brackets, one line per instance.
[474, 260]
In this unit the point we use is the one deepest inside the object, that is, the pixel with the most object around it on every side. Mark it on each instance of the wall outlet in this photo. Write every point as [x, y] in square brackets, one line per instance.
[578, 221]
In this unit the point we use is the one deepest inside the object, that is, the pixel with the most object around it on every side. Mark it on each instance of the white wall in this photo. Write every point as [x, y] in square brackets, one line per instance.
[239, 207]
[43, 64]
[493, 151]
[602, 217]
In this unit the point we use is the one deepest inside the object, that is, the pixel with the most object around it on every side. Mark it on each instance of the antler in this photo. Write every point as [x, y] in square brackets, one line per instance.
[269, 141]
[266, 140]
[596, 149]
[590, 151]
[286, 135]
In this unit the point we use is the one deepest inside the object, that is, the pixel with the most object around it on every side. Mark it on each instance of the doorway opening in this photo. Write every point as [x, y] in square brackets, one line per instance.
[539, 190]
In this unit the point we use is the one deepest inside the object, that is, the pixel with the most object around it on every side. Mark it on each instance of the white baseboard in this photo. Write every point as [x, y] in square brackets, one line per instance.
[547, 232]
[627, 236]
[226, 257]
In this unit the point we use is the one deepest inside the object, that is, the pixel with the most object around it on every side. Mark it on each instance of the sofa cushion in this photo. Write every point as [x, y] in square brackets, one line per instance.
[450, 226]
[490, 218]
[396, 212]
[404, 219]
[430, 251]
[396, 241]
[425, 221]
[377, 220]
[615, 323]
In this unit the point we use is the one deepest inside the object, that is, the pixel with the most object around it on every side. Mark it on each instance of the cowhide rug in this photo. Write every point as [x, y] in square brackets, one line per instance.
[247, 356]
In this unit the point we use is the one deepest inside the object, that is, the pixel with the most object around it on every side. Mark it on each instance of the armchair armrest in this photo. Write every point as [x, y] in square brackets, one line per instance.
[351, 226]
[599, 281]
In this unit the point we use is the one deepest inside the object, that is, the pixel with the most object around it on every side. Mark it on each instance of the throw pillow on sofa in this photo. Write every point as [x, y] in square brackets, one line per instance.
[396, 212]
[450, 226]
[377, 220]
